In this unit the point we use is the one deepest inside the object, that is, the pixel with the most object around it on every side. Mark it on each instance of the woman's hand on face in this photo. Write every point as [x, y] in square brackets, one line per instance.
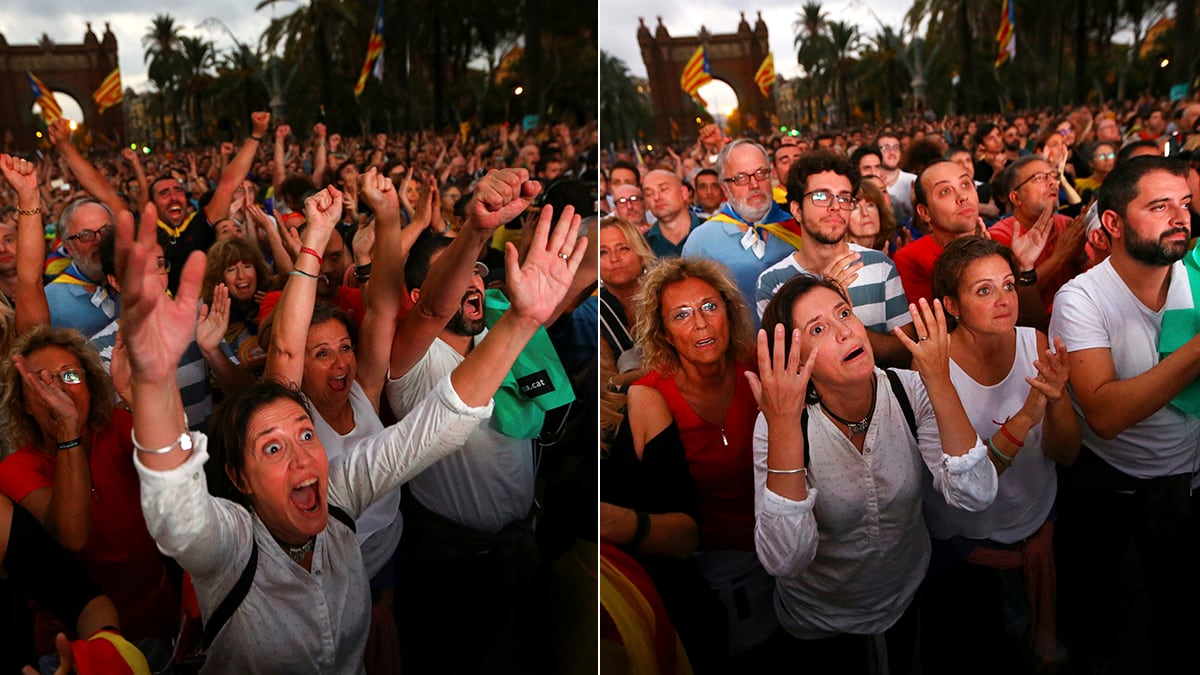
[156, 328]
[781, 382]
[214, 320]
[931, 350]
[56, 415]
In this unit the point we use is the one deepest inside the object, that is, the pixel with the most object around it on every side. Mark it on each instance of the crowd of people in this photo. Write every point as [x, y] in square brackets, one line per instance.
[966, 436]
[300, 403]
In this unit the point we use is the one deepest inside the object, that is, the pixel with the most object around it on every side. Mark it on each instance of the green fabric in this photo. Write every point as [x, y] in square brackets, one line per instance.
[516, 414]
[1181, 325]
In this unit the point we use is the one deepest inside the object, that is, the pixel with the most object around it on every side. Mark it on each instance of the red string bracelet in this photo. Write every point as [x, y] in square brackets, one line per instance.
[313, 253]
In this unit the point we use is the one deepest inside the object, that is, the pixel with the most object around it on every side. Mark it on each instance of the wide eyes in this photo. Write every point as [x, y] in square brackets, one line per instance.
[272, 448]
[307, 435]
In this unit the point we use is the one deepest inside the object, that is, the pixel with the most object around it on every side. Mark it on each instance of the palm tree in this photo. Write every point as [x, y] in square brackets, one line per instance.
[843, 43]
[811, 44]
[324, 35]
[196, 62]
[162, 43]
[622, 107]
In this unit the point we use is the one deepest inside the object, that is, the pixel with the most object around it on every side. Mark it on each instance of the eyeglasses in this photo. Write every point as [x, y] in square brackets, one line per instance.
[744, 178]
[87, 236]
[1107, 155]
[890, 147]
[631, 199]
[685, 313]
[1041, 177]
[823, 199]
[68, 376]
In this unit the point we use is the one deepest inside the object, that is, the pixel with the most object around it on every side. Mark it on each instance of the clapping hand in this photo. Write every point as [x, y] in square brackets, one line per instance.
[1028, 246]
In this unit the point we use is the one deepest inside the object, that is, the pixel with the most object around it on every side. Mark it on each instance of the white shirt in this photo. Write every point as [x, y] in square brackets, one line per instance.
[380, 526]
[293, 620]
[1027, 489]
[1097, 310]
[849, 558]
[489, 482]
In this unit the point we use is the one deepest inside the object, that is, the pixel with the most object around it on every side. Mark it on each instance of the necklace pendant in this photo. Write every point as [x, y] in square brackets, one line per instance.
[857, 428]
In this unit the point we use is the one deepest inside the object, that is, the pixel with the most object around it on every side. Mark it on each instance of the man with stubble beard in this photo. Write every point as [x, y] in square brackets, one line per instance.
[821, 187]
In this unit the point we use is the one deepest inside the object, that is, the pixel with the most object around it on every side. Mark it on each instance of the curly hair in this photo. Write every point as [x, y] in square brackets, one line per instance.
[650, 331]
[19, 426]
[229, 252]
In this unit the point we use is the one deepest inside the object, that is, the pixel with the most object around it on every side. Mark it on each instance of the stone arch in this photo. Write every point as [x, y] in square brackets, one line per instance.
[76, 69]
[732, 57]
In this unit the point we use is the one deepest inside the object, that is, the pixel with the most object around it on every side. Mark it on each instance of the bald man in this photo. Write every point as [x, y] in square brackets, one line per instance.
[667, 199]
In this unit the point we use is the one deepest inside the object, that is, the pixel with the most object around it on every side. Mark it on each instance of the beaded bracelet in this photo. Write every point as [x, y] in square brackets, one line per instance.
[29, 212]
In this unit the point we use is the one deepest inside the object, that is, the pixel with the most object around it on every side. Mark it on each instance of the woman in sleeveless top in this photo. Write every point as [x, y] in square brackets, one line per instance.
[1013, 387]
[696, 338]
[624, 257]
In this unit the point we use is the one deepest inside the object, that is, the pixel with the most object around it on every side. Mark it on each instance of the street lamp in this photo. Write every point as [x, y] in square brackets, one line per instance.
[517, 91]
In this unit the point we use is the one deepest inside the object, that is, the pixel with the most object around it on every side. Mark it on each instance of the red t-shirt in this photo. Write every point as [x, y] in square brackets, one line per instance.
[721, 460]
[119, 555]
[1002, 232]
[914, 263]
[349, 299]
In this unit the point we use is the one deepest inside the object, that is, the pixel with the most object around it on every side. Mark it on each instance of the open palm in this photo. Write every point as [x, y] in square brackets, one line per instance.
[536, 287]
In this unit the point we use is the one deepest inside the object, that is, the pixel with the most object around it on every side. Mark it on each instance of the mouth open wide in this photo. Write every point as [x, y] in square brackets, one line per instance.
[306, 497]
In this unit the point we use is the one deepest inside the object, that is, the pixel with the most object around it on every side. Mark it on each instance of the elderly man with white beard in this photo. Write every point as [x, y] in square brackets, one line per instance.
[751, 231]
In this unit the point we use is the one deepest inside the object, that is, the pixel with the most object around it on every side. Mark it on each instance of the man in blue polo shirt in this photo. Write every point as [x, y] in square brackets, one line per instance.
[667, 200]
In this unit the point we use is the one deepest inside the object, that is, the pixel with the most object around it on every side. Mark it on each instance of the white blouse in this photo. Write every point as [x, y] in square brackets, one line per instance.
[849, 558]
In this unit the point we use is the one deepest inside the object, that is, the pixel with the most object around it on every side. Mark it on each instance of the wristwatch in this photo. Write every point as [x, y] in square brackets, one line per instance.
[1028, 278]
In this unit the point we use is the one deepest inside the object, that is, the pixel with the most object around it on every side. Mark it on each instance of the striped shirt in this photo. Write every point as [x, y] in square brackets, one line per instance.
[877, 294]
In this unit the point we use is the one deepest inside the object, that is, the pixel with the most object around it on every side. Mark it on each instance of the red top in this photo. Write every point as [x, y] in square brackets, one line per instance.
[914, 263]
[349, 299]
[120, 554]
[1002, 232]
[721, 460]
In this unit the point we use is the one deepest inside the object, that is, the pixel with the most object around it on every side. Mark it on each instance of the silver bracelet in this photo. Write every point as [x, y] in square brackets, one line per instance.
[789, 471]
[184, 442]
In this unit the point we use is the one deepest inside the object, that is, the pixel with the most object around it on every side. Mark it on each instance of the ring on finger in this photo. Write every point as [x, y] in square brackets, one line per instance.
[564, 256]
[924, 338]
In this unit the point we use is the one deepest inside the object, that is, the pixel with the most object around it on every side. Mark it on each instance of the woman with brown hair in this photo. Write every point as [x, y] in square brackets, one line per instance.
[241, 268]
[841, 452]
[696, 337]
[873, 222]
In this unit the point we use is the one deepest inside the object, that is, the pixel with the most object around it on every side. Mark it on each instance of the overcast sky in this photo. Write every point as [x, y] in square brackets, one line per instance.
[65, 21]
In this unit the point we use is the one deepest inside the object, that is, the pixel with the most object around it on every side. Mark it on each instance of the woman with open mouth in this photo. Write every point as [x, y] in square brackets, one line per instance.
[1013, 386]
[841, 450]
[308, 572]
[242, 269]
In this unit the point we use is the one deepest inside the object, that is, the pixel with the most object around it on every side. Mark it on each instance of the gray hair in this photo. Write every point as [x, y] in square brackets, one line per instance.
[723, 157]
[60, 228]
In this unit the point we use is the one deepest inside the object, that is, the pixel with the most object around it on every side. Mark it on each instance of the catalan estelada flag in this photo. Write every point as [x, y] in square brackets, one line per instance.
[696, 72]
[765, 76]
[374, 53]
[44, 98]
[1006, 37]
[109, 93]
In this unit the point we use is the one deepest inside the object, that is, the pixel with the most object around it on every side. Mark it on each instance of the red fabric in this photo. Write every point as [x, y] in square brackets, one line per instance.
[1035, 558]
[914, 263]
[724, 474]
[108, 653]
[1002, 232]
[633, 578]
[120, 554]
[349, 299]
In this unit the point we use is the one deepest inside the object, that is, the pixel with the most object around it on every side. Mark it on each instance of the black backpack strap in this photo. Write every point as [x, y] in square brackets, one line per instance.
[232, 601]
[342, 516]
[902, 399]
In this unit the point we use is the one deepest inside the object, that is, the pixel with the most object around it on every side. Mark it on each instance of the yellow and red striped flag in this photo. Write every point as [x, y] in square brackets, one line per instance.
[374, 53]
[1006, 37]
[696, 72]
[765, 76]
[44, 98]
[109, 93]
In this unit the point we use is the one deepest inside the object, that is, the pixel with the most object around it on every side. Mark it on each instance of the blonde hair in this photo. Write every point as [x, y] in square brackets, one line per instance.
[634, 238]
[650, 332]
[612, 404]
[20, 427]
